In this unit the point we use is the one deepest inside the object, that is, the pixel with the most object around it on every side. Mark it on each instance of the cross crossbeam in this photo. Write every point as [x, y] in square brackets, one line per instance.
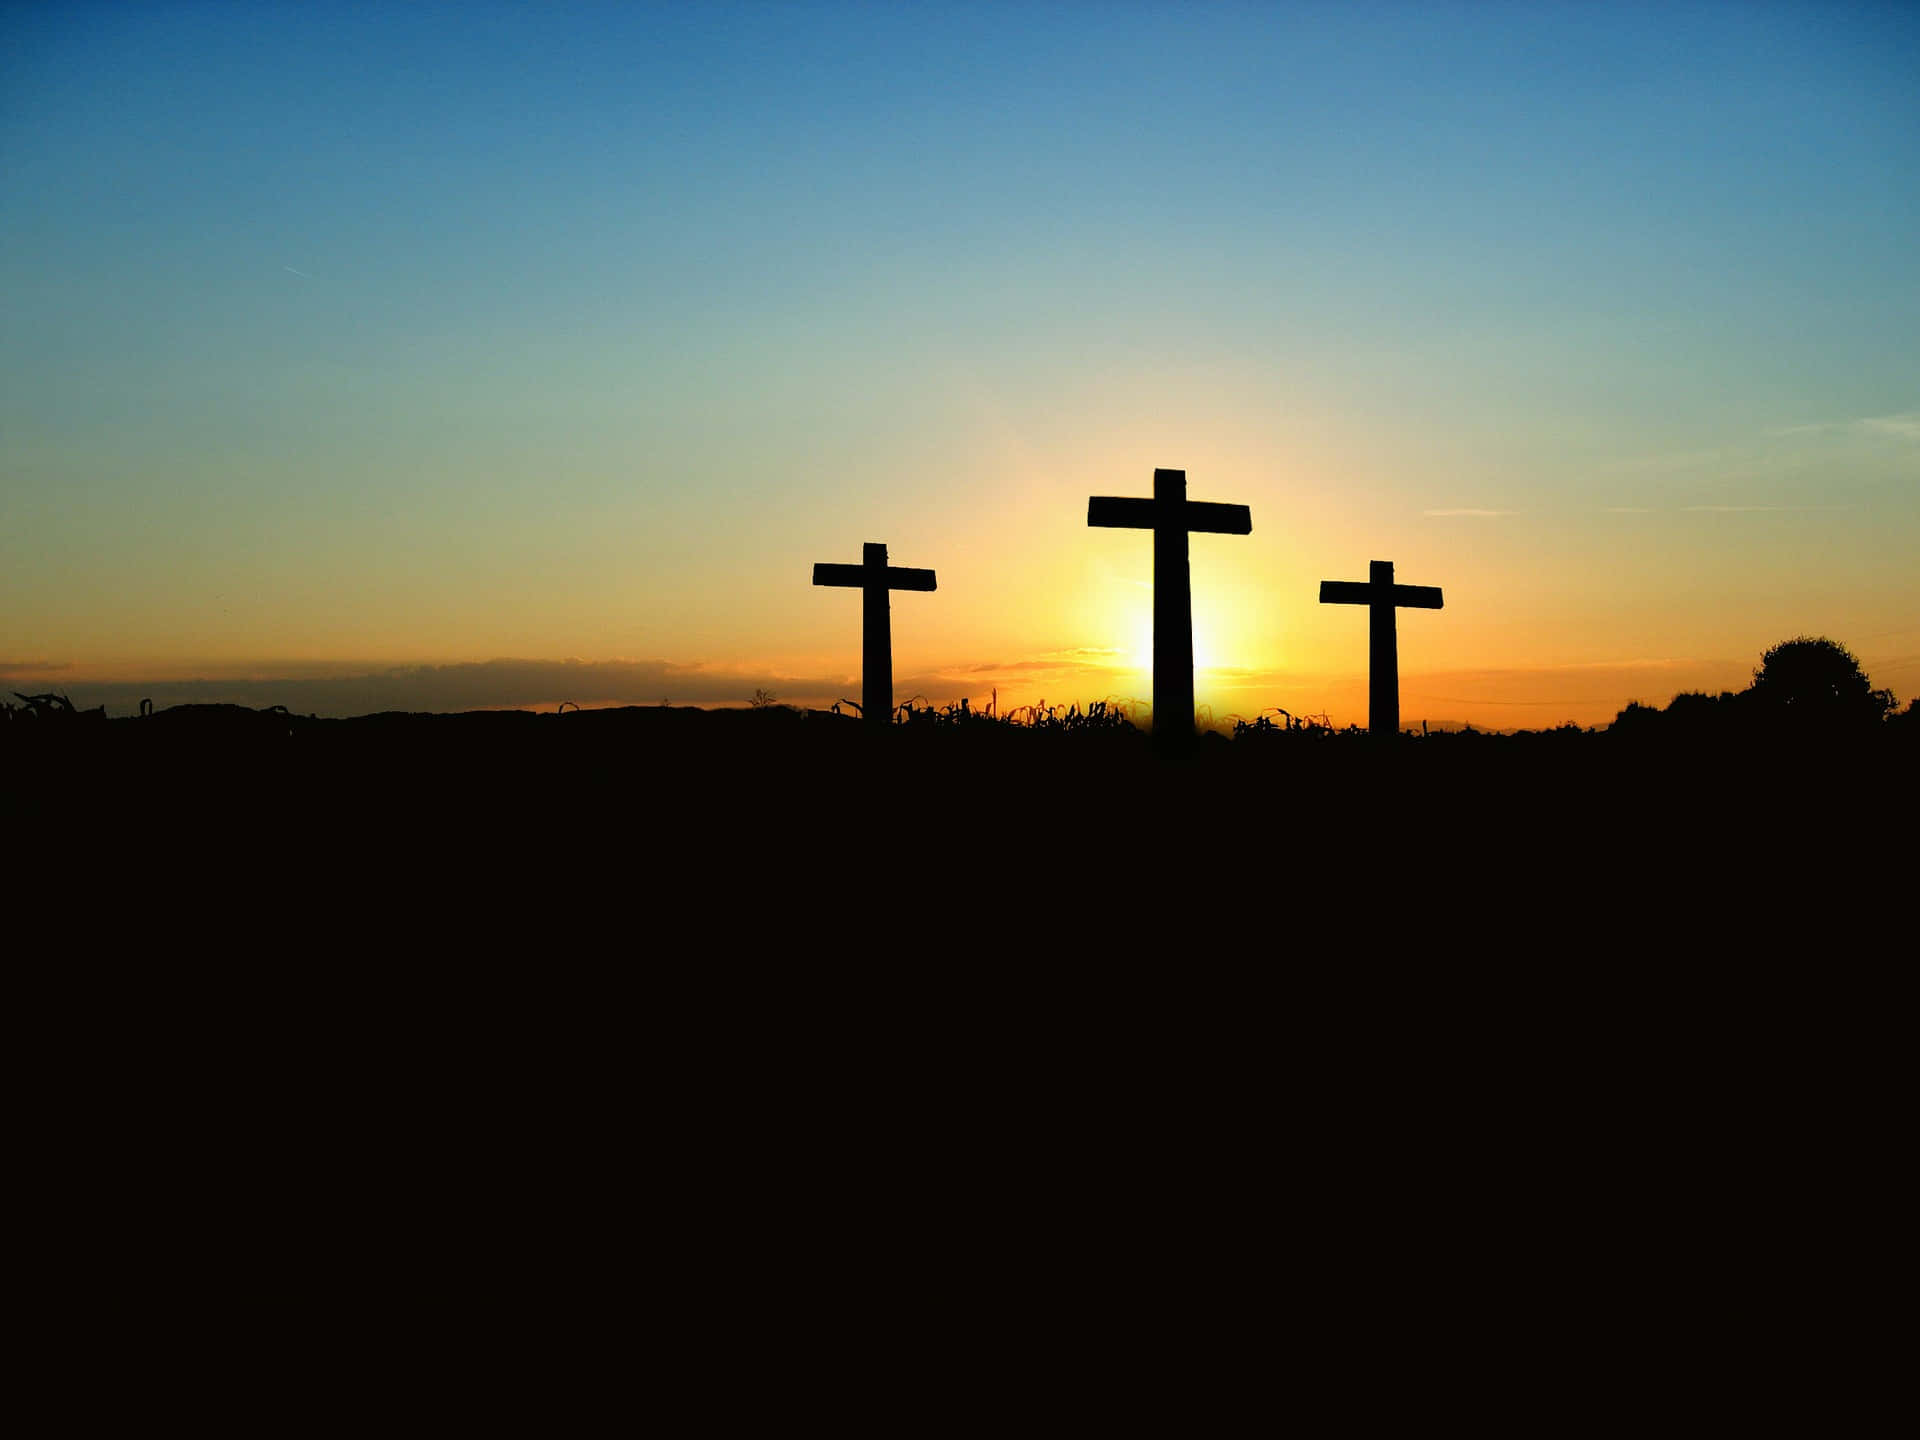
[1360, 592]
[873, 577]
[1126, 512]
[897, 577]
[1171, 517]
[1382, 598]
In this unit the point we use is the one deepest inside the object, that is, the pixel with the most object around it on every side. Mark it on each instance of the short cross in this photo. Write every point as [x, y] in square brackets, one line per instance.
[1170, 515]
[874, 577]
[1382, 597]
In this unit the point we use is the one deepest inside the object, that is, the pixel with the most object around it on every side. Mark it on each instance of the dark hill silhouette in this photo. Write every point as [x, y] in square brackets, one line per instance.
[553, 933]
[51, 708]
[1078, 772]
[1807, 692]
[661, 832]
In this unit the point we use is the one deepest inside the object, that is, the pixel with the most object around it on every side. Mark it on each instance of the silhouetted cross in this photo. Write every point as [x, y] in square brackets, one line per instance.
[1170, 515]
[874, 577]
[1382, 597]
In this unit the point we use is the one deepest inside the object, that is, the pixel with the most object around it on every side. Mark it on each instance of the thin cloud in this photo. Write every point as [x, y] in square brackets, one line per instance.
[479, 685]
[1903, 426]
[1748, 509]
[301, 273]
[1085, 657]
[1626, 510]
[508, 684]
[1862, 447]
[1665, 663]
[1468, 514]
[1482, 700]
[1014, 667]
[1593, 691]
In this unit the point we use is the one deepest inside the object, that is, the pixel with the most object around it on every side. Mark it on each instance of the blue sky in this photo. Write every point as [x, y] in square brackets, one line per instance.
[381, 334]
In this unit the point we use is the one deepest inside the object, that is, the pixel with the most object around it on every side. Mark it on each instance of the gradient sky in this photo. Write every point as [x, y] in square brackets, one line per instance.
[427, 356]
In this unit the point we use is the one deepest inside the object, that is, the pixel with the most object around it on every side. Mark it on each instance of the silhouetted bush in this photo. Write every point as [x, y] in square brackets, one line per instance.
[1808, 689]
[1637, 721]
[1815, 683]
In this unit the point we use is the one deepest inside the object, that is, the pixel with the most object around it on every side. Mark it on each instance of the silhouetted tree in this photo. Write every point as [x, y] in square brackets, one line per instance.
[1816, 681]
[1636, 719]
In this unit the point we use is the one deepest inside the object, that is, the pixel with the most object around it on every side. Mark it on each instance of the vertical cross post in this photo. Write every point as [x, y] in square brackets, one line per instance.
[1383, 652]
[1172, 604]
[876, 636]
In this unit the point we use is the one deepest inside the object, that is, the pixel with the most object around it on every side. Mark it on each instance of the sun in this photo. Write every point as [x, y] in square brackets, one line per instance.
[1205, 651]
[1139, 655]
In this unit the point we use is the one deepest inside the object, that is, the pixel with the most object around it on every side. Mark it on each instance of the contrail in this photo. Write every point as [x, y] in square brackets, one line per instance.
[301, 273]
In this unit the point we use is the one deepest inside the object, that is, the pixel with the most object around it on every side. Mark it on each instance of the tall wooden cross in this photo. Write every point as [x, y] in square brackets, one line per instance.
[1170, 515]
[874, 578]
[1382, 597]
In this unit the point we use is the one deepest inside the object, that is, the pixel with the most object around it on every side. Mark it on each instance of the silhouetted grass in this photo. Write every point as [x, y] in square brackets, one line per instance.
[618, 774]
[730, 903]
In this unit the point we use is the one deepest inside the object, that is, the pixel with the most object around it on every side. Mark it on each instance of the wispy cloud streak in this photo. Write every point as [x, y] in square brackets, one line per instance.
[1751, 509]
[1903, 426]
[479, 685]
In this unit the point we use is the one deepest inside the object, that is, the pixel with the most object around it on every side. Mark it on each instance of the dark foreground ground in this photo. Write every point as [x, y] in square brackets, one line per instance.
[730, 1022]
[756, 833]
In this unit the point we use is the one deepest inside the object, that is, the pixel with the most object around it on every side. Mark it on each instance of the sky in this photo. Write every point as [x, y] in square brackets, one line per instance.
[364, 357]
